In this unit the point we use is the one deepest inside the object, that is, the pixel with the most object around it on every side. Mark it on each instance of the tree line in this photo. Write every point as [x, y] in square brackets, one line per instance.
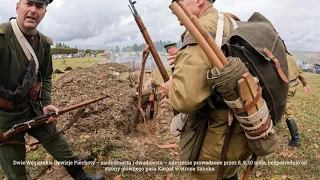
[61, 48]
[136, 48]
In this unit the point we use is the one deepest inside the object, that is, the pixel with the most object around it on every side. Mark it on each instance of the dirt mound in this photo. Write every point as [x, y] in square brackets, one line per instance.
[58, 71]
[68, 68]
[108, 119]
[110, 129]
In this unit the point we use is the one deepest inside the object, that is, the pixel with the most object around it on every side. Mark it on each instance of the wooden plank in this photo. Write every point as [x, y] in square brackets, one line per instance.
[248, 89]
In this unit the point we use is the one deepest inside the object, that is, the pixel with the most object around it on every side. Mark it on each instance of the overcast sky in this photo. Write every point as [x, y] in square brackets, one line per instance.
[101, 24]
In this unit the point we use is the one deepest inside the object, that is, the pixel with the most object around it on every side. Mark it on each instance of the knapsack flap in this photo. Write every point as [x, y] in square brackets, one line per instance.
[248, 42]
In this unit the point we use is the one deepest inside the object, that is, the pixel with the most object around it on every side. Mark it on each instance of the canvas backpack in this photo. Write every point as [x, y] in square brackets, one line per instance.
[250, 41]
[260, 47]
[147, 87]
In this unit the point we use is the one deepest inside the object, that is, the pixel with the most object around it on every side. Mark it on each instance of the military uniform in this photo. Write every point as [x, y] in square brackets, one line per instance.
[189, 92]
[149, 86]
[168, 46]
[152, 85]
[295, 73]
[13, 67]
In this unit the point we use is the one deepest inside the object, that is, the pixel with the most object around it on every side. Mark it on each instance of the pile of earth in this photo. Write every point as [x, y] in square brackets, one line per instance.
[103, 121]
[110, 129]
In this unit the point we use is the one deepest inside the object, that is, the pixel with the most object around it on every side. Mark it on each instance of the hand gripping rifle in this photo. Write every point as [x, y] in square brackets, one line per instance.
[36, 121]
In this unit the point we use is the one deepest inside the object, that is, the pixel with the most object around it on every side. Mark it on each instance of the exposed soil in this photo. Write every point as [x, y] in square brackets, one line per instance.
[109, 129]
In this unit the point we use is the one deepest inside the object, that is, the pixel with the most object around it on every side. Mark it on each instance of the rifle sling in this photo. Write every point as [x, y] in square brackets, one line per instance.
[249, 168]
[78, 114]
[144, 58]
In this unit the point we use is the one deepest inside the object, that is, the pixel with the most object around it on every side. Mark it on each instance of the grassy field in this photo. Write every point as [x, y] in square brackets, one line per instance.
[307, 108]
[61, 64]
[307, 116]
[307, 112]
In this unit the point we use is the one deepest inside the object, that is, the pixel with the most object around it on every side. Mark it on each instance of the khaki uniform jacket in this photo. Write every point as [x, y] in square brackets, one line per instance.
[294, 72]
[13, 64]
[190, 89]
[188, 94]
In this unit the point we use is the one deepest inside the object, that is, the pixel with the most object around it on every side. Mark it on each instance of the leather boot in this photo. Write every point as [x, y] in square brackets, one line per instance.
[295, 140]
[77, 173]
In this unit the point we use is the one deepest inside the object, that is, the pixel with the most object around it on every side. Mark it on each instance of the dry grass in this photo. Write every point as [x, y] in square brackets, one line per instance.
[308, 122]
[307, 117]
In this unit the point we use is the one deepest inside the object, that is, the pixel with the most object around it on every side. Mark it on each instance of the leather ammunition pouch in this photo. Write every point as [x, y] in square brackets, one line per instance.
[31, 95]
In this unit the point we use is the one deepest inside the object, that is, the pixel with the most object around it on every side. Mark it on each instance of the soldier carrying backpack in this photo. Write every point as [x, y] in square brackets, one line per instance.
[223, 126]
[149, 86]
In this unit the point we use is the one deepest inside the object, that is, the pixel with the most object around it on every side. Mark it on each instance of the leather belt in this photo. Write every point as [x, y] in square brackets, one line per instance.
[9, 105]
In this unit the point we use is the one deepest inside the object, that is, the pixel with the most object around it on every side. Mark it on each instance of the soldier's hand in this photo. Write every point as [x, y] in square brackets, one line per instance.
[165, 87]
[307, 90]
[171, 60]
[48, 109]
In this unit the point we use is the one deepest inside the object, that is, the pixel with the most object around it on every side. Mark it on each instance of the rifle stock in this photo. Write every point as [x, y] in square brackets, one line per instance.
[36, 121]
[148, 40]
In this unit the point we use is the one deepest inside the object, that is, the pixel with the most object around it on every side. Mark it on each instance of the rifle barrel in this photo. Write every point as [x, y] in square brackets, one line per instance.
[76, 106]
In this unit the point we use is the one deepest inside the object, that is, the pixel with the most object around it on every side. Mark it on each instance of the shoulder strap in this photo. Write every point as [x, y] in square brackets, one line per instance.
[2, 33]
[234, 24]
[220, 26]
[219, 33]
[26, 47]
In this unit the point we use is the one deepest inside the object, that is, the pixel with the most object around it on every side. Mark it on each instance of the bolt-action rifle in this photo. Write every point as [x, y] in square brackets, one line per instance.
[36, 121]
[148, 40]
